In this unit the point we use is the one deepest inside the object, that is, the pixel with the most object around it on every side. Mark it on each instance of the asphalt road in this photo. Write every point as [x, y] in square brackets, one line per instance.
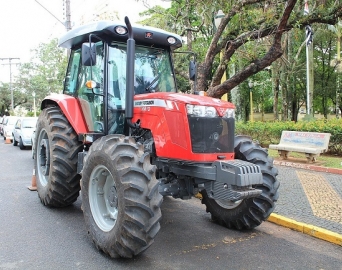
[36, 237]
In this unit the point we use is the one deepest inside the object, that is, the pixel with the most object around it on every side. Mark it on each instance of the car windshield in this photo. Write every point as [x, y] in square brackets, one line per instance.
[29, 123]
[11, 121]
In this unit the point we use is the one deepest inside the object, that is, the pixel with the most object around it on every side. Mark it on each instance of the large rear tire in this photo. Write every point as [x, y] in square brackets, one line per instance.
[247, 213]
[56, 154]
[120, 198]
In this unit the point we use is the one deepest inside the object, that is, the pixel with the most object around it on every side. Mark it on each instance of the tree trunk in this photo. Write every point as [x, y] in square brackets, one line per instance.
[275, 88]
[284, 94]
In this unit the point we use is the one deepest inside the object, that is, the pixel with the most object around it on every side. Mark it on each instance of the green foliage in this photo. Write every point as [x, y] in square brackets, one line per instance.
[270, 132]
[43, 75]
[31, 114]
[325, 75]
[194, 20]
[5, 98]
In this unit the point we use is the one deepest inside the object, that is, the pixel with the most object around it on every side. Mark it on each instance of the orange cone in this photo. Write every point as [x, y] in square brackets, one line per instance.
[33, 186]
[8, 141]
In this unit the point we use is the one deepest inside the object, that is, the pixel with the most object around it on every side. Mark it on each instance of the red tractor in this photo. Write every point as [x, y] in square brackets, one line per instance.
[122, 134]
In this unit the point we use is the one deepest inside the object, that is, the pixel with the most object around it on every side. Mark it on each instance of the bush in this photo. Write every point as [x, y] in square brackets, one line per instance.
[270, 132]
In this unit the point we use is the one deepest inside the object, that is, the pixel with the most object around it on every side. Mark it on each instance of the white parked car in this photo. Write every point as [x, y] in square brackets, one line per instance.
[2, 119]
[23, 130]
[32, 143]
[8, 126]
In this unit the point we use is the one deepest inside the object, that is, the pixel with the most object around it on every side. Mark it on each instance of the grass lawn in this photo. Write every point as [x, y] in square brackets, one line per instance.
[322, 160]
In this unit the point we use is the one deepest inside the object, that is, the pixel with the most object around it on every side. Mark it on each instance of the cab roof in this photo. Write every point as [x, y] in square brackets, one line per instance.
[144, 35]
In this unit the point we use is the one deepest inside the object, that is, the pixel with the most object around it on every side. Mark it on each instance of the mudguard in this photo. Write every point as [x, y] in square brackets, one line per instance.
[71, 108]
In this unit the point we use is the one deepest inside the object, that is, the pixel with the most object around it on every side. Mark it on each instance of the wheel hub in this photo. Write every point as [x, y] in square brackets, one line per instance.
[112, 197]
[103, 198]
[44, 156]
[228, 204]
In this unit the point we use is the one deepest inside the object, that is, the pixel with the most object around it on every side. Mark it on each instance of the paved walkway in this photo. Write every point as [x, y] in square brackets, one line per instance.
[311, 195]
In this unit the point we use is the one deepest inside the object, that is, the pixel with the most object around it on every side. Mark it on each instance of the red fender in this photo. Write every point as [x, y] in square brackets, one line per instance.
[71, 108]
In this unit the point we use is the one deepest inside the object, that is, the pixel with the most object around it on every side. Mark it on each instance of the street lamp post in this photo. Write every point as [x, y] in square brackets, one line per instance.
[217, 20]
[263, 103]
[250, 85]
[34, 104]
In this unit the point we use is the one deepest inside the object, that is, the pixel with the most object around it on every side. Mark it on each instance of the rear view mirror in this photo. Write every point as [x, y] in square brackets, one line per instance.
[192, 70]
[88, 54]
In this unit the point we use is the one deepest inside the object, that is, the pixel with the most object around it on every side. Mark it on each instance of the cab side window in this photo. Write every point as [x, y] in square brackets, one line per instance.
[96, 71]
[91, 100]
[70, 84]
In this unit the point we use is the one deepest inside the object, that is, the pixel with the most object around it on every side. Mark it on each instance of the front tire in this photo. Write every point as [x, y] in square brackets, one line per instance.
[247, 213]
[120, 198]
[56, 154]
[21, 144]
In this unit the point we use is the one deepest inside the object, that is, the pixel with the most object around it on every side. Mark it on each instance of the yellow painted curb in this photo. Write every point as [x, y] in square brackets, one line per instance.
[314, 231]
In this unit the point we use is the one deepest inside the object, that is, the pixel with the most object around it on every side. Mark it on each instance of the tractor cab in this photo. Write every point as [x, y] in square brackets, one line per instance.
[97, 76]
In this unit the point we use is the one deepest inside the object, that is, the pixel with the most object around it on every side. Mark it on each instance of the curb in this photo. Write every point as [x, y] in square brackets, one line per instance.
[308, 229]
[307, 167]
[311, 230]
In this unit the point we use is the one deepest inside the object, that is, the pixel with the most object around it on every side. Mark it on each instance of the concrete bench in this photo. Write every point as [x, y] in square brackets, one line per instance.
[310, 143]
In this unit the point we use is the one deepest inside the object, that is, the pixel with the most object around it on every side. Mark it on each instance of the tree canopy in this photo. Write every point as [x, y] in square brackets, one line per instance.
[43, 75]
[250, 29]
[262, 41]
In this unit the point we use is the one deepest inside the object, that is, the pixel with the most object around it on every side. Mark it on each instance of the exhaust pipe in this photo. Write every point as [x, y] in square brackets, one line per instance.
[130, 76]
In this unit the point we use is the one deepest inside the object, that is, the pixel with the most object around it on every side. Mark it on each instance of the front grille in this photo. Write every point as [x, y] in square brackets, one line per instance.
[211, 135]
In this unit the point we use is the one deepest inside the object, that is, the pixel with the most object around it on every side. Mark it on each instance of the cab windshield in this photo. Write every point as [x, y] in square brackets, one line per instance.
[153, 71]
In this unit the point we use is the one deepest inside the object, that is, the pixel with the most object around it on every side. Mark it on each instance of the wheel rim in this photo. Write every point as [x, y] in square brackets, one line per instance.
[228, 204]
[43, 158]
[103, 198]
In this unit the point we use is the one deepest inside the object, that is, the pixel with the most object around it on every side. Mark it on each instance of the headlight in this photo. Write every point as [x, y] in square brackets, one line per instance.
[229, 113]
[171, 40]
[201, 111]
[120, 30]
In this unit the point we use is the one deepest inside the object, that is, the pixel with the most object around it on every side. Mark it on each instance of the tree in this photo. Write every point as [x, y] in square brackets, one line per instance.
[325, 76]
[44, 74]
[336, 63]
[246, 22]
[5, 100]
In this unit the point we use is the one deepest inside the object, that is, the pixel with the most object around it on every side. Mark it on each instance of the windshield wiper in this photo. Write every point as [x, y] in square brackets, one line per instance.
[148, 88]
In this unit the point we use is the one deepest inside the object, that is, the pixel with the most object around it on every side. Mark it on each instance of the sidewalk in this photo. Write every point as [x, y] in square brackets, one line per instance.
[310, 199]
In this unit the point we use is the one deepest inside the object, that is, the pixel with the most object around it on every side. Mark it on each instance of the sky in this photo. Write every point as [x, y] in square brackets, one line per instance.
[24, 24]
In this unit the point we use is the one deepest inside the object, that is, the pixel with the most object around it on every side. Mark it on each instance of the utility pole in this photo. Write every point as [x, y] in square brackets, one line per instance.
[68, 21]
[309, 65]
[68, 15]
[10, 84]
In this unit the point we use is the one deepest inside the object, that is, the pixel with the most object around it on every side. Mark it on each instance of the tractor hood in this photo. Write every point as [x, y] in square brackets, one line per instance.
[185, 98]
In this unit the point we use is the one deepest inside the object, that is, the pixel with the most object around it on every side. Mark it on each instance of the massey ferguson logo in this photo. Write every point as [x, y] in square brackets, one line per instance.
[144, 102]
[149, 35]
